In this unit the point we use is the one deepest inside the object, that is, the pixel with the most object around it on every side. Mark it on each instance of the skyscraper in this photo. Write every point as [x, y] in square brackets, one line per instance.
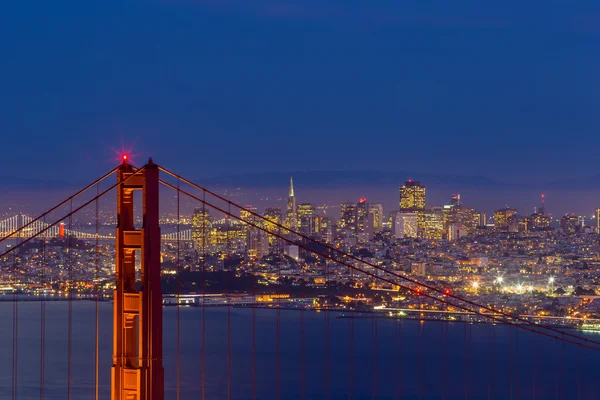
[412, 196]
[291, 217]
[348, 216]
[306, 213]
[376, 215]
[405, 225]
[502, 218]
[201, 228]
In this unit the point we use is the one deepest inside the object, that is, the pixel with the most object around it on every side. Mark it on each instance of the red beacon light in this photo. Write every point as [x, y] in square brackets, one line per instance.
[124, 157]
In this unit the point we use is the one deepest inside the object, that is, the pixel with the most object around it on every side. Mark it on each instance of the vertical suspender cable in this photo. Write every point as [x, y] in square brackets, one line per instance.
[302, 294]
[254, 278]
[15, 351]
[326, 308]
[510, 360]
[556, 367]
[516, 363]
[43, 319]
[350, 355]
[228, 303]
[70, 301]
[178, 394]
[533, 367]
[97, 290]
[470, 359]
[278, 339]
[398, 360]
[203, 351]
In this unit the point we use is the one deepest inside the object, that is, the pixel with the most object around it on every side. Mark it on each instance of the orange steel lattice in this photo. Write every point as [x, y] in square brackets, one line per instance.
[137, 371]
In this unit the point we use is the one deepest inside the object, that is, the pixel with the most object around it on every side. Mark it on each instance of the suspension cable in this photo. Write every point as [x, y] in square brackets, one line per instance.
[524, 326]
[178, 297]
[43, 320]
[87, 203]
[62, 203]
[400, 276]
[97, 290]
[70, 307]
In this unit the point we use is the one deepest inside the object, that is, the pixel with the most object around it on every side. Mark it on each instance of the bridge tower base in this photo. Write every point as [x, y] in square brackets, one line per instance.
[137, 371]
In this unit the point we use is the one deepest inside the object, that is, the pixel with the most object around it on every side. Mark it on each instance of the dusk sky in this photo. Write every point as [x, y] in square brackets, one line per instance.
[507, 90]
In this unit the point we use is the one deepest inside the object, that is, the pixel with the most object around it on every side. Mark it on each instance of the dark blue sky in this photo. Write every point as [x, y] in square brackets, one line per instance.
[509, 90]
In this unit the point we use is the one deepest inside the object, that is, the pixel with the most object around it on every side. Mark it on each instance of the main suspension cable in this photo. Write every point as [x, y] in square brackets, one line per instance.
[523, 326]
[62, 203]
[400, 276]
[87, 203]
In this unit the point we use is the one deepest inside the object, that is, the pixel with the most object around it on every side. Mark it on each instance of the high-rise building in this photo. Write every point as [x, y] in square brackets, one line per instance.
[201, 228]
[598, 220]
[376, 215]
[257, 244]
[291, 218]
[405, 225]
[362, 215]
[455, 201]
[431, 223]
[412, 196]
[502, 218]
[246, 214]
[306, 214]
[273, 216]
[348, 216]
[569, 223]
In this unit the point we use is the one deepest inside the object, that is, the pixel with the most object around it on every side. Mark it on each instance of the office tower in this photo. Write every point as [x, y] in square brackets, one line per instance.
[348, 216]
[201, 228]
[291, 218]
[257, 244]
[502, 218]
[306, 214]
[569, 223]
[455, 201]
[376, 216]
[482, 219]
[273, 216]
[598, 220]
[247, 215]
[362, 215]
[405, 225]
[540, 220]
[412, 196]
[431, 223]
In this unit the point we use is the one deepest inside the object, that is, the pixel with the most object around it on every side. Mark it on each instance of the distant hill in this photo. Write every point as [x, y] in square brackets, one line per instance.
[350, 178]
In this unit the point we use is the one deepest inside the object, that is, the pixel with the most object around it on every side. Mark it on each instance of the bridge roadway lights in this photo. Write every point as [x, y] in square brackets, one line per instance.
[137, 371]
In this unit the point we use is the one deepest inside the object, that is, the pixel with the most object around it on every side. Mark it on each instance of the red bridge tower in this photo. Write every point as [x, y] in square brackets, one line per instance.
[137, 371]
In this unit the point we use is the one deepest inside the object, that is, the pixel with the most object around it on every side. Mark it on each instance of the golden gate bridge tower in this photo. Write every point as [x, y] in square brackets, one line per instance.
[137, 371]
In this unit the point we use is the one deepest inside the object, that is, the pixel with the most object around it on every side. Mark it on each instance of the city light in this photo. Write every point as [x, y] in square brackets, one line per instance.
[551, 280]
[499, 280]
[475, 285]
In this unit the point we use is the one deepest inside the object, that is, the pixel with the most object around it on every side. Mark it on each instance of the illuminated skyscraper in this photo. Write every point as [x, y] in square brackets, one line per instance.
[598, 220]
[376, 216]
[273, 215]
[569, 223]
[503, 217]
[362, 215]
[455, 200]
[348, 216]
[201, 228]
[405, 225]
[291, 217]
[412, 196]
[432, 223]
[306, 214]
